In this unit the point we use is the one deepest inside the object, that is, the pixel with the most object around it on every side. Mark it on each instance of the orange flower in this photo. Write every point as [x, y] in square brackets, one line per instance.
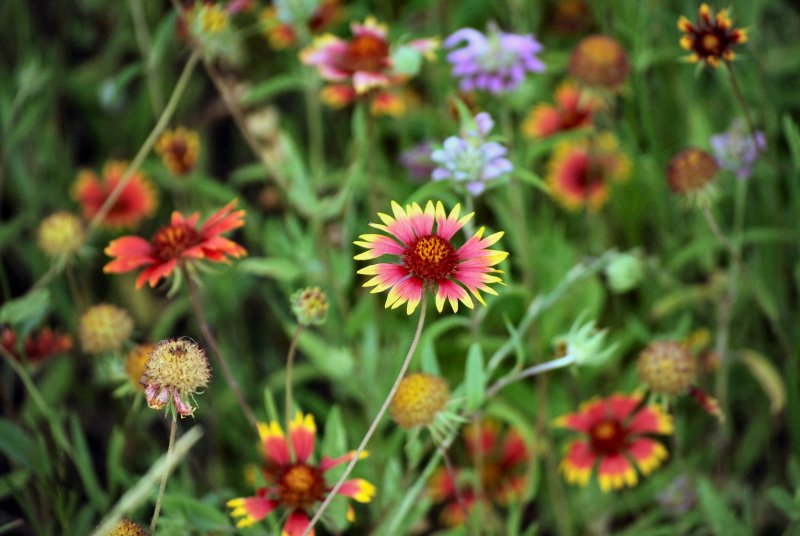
[136, 201]
[175, 244]
[615, 435]
[711, 38]
[572, 110]
[178, 150]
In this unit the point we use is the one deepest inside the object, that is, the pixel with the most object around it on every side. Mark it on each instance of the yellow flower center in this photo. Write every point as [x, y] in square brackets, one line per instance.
[712, 43]
[366, 53]
[300, 486]
[171, 241]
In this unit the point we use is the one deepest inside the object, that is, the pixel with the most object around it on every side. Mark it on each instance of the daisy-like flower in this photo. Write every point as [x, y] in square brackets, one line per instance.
[580, 173]
[175, 244]
[178, 150]
[712, 38]
[136, 202]
[367, 62]
[572, 110]
[470, 159]
[428, 259]
[281, 20]
[736, 150]
[615, 439]
[294, 483]
[503, 463]
[599, 61]
[495, 61]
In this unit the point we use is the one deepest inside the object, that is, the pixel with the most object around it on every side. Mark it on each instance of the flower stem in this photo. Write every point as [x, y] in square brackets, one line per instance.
[289, 368]
[740, 97]
[527, 373]
[451, 472]
[374, 425]
[212, 342]
[162, 487]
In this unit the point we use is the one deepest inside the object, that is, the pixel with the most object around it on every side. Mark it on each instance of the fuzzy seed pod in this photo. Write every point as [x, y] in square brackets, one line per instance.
[104, 328]
[667, 367]
[418, 399]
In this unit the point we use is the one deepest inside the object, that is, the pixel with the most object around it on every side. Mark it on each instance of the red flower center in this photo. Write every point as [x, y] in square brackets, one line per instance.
[365, 53]
[430, 258]
[300, 486]
[171, 241]
[608, 436]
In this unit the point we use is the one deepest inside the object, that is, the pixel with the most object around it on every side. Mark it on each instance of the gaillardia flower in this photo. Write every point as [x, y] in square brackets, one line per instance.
[496, 61]
[573, 109]
[126, 527]
[712, 38]
[428, 259]
[737, 150]
[691, 171]
[175, 372]
[281, 19]
[366, 62]
[178, 150]
[599, 61]
[135, 363]
[294, 482]
[175, 244]
[136, 201]
[580, 173]
[39, 346]
[616, 439]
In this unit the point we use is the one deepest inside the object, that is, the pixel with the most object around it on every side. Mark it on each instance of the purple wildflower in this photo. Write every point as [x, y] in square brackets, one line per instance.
[737, 150]
[496, 61]
[470, 158]
[418, 161]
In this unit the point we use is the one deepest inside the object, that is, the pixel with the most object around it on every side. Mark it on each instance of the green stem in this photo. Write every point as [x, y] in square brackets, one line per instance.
[165, 476]
[142, 35]
[528, 373]
[289, 368]
[314, 124]
[374, 425]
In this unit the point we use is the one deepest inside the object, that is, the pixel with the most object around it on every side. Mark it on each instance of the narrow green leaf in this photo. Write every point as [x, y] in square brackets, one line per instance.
[272, 87]
[273, 267]
[784, 502]
[767, 376]
[16, 445]
[792, 133]
[334, 442]
[27, 310]
[11, 482]
[475, 377]
[83, 463]
[195, 514]
[718, 513]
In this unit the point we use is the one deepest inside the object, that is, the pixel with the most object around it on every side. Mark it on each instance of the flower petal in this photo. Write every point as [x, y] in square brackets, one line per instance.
[358, 489]
[648, 454]
[296, 524]
[616, 472]
[578, 462]
[303, 432]
[274, 442]
[250, 509]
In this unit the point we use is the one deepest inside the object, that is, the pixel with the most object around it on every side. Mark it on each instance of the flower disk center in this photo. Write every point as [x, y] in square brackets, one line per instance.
[430, 258]
[171, 241]
[366, 53]
[300, 486]
[608, 436]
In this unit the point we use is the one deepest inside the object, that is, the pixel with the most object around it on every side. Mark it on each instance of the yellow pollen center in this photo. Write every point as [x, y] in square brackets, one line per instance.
[299, 479]
[711, 43]
[431, 249]
[605, 430]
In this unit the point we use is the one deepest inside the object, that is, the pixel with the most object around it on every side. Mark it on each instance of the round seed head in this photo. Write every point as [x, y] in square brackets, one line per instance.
[60, 234]
[667, 367]
[418, 400]
[104, 328]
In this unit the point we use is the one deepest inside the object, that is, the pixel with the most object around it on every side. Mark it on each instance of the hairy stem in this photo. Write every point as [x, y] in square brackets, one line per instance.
[165, 476]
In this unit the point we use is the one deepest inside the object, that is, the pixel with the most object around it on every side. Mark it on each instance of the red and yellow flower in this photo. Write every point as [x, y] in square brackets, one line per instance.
[178, 150]
[573, 109]
[176, 244]
[581, 172]
[502, 472]
[712, 38]
[282, 35]
[294, 482]
[136, 201]
[616, 431]
[38, 346]
[428, 259]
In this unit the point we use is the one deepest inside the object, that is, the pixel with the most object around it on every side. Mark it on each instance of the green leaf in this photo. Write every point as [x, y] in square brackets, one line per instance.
[335, 362]
[529, 177]
[792, 133]
[784, 502]
[195, 514]
[719, 515]
[114, 462]
[334, 443]
[272, 87]
[767, 376]
[428, 361]
[16, 445]
[13, 481]
[273, 267]
[27, 310]
[475, 379]
[83, 463]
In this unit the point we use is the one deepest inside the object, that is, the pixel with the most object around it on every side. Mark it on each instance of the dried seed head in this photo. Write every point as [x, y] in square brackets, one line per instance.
[667, 367]
[176, 370]
[691, 170]
[104, 328]
[126, 527]
[310, 305]
[419, 398]
[60, 234]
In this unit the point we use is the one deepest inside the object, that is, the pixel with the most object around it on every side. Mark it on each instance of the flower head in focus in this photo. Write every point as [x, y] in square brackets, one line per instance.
[615, 438]
[711, 38]
[61, 234]
[175, 372]
[136, 201]
[737, 150]
[39, 346]
[573, 109]
[470, 159]
[580, 173]
[599, 61]
[126, 527]
[428, 259]
[282, 20]
[294, 482]
[178, 150]
[175, 244]
[104, 328]
[495, 61]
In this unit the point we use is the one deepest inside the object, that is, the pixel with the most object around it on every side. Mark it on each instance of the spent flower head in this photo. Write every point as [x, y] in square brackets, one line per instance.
[61, 234]
[104, 328]
[126, 527]
[691, 173]
[208, 24]
[175, 372]
[178, 150]
[469, 158]
[667, 367]
[737, 150]
[310, 306]
[711, 38]
[494, 61]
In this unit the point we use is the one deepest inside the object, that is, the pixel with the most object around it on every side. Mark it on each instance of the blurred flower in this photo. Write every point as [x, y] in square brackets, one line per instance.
[178, 150]
[38, 347]
[572, 110]
[712, 38]
[584, 344]
[600, 61]
[495, 61]
[469, 158]
[678, 497]
[310, 306]
[175, 371]
[61, 234]
[417, 160]
[104, 328]
[294, 483]
[208, 24]
[126, 527]
[136, 201]
[429, 261]
[366, 62]
[176, 244]
[135, 363]
[503, 461]
[419, 398]
[737, 150]
[615, 435]
[667, 367]
[571, 17]
[691, 171]
[280, 20]
[580, 172]
[624, 272]
[393, 103]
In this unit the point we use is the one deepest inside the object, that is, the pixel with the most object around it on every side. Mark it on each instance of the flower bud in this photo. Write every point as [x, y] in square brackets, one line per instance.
[624, 272]
[310, 306]
[599, 60]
